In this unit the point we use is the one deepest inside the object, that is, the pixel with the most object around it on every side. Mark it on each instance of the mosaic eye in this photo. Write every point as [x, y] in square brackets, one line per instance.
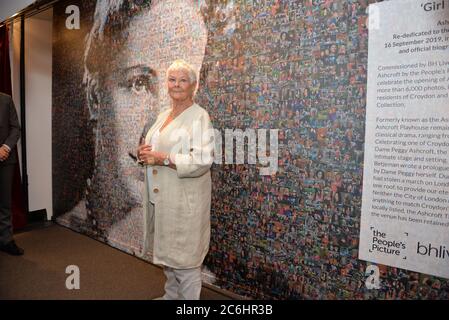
[141, 84]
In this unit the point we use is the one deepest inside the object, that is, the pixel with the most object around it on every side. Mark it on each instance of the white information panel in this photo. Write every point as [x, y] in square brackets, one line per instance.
[405, 204]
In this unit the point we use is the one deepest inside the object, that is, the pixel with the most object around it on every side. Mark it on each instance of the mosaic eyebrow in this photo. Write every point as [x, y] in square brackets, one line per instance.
[140, 67]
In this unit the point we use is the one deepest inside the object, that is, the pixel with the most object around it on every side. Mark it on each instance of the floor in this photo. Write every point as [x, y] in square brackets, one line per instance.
[105, 273]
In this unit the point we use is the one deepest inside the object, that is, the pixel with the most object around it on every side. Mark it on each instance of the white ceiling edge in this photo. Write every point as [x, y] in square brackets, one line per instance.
[10, 7]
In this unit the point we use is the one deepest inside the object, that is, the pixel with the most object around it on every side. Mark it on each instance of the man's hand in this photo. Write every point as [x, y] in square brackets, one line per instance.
[4, 153]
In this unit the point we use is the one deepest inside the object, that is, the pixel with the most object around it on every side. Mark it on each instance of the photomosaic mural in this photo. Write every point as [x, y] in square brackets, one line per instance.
[298, 67]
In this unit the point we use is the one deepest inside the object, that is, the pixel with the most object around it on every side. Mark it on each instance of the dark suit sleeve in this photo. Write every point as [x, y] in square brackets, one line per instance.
[14, 126]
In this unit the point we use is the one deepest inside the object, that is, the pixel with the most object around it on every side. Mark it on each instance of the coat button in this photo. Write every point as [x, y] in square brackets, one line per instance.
[155, 190]
[154, 171]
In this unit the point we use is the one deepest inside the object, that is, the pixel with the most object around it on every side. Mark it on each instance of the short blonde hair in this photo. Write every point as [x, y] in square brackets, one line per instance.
[181, 64]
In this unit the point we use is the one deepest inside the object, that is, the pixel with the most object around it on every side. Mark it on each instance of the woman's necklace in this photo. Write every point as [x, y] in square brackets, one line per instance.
[173, 115]
[170, 118]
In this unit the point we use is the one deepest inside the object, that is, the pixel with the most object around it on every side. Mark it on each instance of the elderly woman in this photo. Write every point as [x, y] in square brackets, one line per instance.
[178, 153]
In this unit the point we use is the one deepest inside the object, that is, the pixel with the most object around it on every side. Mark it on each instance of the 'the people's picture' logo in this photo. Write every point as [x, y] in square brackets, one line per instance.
[382, 243]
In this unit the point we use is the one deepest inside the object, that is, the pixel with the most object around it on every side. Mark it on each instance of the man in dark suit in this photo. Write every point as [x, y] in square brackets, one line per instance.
[9, 134]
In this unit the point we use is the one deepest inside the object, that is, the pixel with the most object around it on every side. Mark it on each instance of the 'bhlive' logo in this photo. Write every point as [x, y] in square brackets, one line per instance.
[439, 253]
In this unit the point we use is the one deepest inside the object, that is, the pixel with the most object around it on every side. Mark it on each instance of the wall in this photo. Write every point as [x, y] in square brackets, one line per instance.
[38, 92]
[15, 74]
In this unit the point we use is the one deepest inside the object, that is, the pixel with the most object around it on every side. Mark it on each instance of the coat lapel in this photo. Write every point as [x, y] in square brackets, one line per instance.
[163, 116]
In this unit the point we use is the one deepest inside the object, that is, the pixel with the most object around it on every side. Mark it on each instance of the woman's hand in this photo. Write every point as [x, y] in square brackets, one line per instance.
[144, 154]
[147, 156]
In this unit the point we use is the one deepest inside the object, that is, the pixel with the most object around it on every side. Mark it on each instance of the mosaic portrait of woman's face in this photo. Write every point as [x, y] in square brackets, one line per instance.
[134, 90]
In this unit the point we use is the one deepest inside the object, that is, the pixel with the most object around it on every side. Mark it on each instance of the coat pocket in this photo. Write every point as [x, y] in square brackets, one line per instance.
[189, 200]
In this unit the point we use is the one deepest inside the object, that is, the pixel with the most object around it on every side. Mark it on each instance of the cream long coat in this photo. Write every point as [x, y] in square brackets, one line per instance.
[177, 227]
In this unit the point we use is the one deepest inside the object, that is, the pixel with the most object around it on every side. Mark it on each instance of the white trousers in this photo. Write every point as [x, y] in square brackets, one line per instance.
[182, 284]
